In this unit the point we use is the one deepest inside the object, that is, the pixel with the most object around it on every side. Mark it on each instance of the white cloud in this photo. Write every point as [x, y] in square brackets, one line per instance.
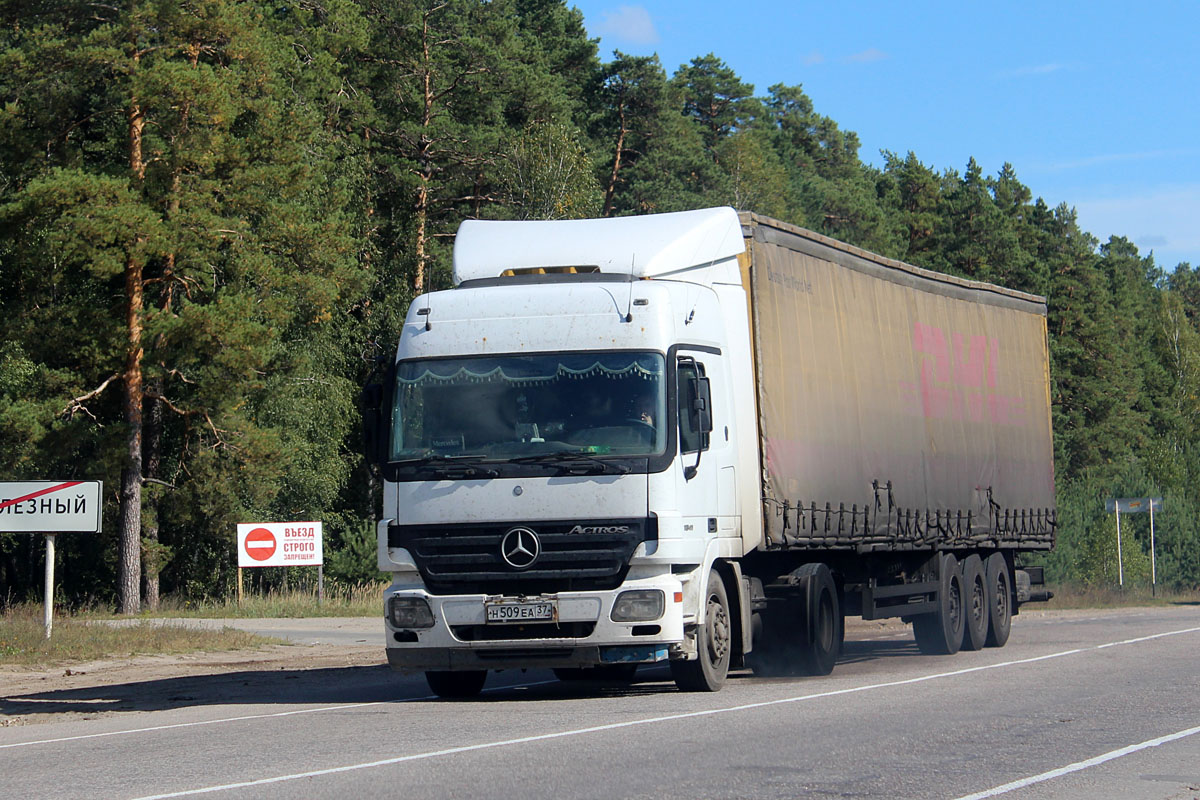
[1162, 219]
[628, 24]
[814, 58]
[1114, 158]
[867, 56]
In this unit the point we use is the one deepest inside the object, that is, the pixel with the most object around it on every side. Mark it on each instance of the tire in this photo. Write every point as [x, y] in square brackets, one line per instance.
[714, 644]
[824, 627]
[608, 673]
[999, 590]
[456, 685]
[801, 636]
[975, 607]
[775, 653]
[941, 632]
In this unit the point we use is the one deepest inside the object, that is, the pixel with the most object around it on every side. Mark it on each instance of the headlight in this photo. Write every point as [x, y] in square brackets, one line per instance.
[638, 605]
[410, 612]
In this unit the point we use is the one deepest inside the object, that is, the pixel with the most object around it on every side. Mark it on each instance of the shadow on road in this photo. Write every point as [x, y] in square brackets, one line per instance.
[857, 652]
[250, 687]
[319, 687]
[363, 684]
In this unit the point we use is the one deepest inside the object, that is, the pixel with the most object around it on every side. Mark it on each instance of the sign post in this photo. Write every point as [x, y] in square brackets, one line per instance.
[1120, 559]
[48, 596]
[281, 544]
[1135, 505]
[1153, 566]
[50, 508]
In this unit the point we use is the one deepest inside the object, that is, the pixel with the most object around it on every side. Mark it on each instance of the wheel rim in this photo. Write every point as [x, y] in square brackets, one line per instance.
[1001, 596]
[718, 630]
[978, 602]
[954, 605]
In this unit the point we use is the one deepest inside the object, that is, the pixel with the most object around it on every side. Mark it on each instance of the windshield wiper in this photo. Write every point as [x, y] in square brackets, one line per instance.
[572, 461]
[463, 466]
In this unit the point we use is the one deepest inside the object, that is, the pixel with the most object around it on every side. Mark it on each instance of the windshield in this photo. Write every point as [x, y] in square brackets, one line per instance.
[511, 407]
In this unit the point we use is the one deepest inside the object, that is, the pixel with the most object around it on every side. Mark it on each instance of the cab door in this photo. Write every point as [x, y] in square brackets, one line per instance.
[705, 466]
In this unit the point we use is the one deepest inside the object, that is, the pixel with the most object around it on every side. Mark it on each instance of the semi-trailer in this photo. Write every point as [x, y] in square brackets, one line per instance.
[703, 438]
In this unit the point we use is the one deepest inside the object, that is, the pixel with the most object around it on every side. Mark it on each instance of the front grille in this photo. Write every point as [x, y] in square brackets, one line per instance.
[466, 559]
[536, 630]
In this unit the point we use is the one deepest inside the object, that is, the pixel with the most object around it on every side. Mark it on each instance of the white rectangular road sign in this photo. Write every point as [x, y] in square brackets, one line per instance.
[50, 506]
[279, 544]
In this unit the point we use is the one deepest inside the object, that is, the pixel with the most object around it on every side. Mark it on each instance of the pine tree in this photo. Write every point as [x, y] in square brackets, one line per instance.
[631, 103]
[716, 98]
[216, 226]
[918, 191]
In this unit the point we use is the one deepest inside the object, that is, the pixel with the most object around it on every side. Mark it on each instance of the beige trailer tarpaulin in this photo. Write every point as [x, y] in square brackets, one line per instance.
[898, 408]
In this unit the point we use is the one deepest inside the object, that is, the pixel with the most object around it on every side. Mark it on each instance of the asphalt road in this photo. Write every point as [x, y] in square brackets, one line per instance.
[1078, 705]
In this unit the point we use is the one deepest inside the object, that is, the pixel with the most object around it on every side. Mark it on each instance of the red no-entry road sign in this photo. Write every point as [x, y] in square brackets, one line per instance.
[259, 544]
[279, 544]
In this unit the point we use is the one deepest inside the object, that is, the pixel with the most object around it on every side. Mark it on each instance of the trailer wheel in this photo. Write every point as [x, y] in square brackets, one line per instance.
[715, 644]
[999, 591]
[941, 633]
[975, 626]
[456, 684]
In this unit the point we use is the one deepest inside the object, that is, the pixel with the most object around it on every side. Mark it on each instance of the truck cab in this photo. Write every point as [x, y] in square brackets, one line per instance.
[561, 438]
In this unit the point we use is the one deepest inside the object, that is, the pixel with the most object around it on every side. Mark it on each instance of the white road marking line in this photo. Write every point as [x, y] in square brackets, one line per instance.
[190, 724]
[637, 722]
[154, 728]
[1080, 765]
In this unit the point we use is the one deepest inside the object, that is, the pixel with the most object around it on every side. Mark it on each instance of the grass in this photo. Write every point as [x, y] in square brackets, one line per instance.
[363, 600]
[80, 638]
[1075, 597]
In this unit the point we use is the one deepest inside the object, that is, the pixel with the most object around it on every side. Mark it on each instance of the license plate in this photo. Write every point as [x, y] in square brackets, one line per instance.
[519, 612]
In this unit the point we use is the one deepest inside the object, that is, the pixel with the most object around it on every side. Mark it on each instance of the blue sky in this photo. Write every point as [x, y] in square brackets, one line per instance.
[1095, 104]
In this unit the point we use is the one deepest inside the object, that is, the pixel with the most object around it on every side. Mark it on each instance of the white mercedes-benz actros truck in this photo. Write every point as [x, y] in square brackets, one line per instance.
[702, 438]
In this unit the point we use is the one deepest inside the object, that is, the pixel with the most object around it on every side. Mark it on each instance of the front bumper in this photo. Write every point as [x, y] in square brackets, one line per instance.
[583, 635]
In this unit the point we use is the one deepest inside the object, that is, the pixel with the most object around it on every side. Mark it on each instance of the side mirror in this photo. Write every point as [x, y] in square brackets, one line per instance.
[376, 406]
[372, 401]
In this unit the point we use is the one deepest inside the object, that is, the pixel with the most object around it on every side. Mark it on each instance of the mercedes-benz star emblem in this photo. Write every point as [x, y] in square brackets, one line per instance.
[520, 547]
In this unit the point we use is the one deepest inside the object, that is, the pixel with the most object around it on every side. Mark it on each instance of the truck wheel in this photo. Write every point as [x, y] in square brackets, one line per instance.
[824, 627]
[608, 673]
[999, 591]
[456, 684]
[975, 627]
[714, 643]
[802, 635]
[941, 633]
[775, 653]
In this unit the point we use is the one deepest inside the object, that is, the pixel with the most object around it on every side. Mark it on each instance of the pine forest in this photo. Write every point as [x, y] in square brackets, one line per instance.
[214, 214]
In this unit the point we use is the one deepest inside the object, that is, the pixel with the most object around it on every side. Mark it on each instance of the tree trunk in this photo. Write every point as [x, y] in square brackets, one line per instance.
[152, 453]
[422, 214]
[616, 167]
[129, 545]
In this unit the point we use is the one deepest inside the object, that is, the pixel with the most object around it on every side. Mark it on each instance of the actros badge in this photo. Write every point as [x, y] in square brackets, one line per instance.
[520, 547]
